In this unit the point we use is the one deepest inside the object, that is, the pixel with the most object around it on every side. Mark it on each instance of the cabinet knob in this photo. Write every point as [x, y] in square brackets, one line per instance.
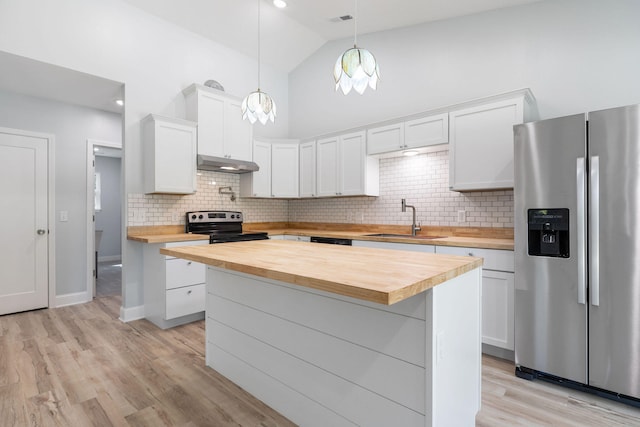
[189, 292]
[189, 263]
[470, 254]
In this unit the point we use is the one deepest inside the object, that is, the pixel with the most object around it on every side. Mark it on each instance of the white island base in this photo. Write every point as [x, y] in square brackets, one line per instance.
[322, 359]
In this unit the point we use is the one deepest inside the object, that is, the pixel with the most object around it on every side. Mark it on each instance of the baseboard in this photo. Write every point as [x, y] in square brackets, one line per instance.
[498, 352]
[109, 258]
[131, 313]
[72, 299]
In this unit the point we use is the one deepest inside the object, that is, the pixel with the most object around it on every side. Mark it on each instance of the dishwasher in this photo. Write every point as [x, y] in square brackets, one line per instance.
[330, 240]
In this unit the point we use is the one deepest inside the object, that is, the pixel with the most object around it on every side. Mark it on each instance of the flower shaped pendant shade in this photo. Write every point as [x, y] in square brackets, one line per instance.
[356, 68]
[258, 106]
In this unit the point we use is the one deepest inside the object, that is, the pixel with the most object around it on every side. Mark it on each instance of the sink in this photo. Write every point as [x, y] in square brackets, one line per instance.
[403, 236]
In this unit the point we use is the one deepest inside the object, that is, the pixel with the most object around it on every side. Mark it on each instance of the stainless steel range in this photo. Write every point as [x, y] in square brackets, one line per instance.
[221, 226]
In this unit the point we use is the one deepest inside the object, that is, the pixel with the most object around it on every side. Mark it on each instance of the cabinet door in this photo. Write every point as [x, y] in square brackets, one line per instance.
[385, 139]
[327, 164]
[498, 309]
[210, 117]
[261, 179]
[426, 131]
[171, 149]
[284, 170]
[481, 145]
[238, 132]
[351, 164]
[308, 169]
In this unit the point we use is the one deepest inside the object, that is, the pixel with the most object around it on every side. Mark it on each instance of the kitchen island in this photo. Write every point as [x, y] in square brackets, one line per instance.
[333, 335]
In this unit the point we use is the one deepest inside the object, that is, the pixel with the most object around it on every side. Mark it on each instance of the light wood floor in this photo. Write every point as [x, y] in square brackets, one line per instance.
[81, 366]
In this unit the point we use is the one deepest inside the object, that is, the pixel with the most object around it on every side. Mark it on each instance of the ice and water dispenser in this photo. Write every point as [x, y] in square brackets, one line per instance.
[549, 232]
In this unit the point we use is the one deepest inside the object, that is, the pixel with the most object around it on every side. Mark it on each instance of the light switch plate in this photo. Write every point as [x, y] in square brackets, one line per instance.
[64, 216]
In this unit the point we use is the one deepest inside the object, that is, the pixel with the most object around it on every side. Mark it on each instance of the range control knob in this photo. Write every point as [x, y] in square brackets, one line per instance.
[200, 216]
[233, 216]
[193, 216]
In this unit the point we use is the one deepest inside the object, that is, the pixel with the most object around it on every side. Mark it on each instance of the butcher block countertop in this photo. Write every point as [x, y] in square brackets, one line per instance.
[378, 275]
[439, 236]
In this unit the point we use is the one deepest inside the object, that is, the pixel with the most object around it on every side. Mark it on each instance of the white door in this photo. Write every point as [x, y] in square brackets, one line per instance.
[23, 222]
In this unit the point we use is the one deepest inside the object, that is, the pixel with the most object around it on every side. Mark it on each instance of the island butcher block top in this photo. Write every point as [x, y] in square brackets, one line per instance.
[378, 275]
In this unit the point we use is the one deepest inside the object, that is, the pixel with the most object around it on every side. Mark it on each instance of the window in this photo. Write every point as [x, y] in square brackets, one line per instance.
[97, 192]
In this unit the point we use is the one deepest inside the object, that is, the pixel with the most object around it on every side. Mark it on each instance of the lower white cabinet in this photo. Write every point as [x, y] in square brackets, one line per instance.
[498, 292]
[174, 288]
[394, 246]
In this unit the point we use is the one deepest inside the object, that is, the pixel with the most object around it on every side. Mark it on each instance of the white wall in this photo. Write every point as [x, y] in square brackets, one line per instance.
[109, 218]
[155, 60]
[575, 55]
[72, 126]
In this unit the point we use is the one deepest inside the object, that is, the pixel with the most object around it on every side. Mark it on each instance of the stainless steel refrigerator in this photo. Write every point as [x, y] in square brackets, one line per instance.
[577, 251]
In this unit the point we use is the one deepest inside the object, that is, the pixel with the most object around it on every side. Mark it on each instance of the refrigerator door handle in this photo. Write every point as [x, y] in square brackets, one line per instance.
[594, 228]
[581, 249]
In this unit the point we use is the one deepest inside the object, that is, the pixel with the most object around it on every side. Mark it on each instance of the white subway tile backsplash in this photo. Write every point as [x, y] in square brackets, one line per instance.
[423, 180]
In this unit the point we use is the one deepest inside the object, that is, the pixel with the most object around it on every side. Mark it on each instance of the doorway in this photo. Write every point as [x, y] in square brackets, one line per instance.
[104, 217]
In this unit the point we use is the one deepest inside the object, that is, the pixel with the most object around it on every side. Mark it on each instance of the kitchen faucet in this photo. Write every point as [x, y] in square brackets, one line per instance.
[414, 227]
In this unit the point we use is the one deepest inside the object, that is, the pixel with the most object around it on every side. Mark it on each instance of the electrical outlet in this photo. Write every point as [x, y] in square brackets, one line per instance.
[64, 216]
[462, 216]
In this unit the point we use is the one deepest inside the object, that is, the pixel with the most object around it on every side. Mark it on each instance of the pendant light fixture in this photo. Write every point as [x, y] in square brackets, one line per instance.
[356, 68]
[258, 105]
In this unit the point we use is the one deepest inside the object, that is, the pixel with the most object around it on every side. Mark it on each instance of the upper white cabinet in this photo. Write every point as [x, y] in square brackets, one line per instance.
[278, 174]
[307, 169]
[221, 130]
[169, 155]
[410, 134]
[343, 167]
[481, 141]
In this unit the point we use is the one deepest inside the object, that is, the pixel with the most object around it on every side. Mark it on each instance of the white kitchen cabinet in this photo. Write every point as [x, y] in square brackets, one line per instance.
[410, 134]
[498, 292]
[258, 184]
[296, 238]
[343, 167]
[221, 130]
[307, 168]
[481, 140]
[284, 170]
[174, 288]
[169, 155]
[278, 174]
[395, 246]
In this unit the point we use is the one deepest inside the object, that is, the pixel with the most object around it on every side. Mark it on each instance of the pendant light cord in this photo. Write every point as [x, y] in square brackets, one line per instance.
[259, 45]
[355, 24]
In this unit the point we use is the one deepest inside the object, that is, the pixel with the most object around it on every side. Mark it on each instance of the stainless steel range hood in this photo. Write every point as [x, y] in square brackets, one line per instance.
[222, 164]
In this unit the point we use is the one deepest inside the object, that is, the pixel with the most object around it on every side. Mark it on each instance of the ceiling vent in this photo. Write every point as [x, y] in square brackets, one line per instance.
[341, 18]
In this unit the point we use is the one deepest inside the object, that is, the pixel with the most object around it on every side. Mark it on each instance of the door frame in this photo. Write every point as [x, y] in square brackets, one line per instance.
[90, 219]
[51, 211]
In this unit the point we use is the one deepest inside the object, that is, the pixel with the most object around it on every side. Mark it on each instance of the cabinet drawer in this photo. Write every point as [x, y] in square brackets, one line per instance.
[184, 301]
[494, 259]
[181, 272]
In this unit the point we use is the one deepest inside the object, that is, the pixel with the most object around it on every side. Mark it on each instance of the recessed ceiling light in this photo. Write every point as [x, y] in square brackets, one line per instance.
[120, 102]
[280, 4]
[96, 149]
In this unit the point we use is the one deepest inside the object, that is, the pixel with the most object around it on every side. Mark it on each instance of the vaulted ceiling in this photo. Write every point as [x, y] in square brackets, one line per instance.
[290, 35]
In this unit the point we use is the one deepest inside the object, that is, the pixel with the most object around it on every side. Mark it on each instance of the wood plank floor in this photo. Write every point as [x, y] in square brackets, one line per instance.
[81, 366]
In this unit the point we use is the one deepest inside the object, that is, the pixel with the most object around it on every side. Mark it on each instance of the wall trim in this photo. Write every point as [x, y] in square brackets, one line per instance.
[131, 313]
[72, 299]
